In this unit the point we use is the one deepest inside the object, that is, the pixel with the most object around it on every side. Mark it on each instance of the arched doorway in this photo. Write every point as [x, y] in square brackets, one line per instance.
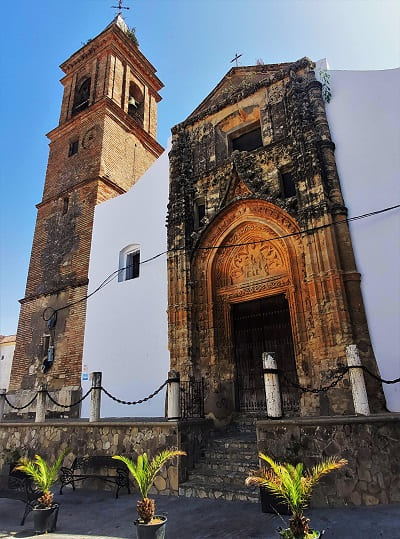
[246, 304]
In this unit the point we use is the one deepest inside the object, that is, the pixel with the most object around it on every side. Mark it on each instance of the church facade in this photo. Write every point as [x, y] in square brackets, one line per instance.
[260, 255]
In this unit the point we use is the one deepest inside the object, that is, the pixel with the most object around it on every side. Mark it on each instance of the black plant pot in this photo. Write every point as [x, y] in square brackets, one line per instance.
[272, 504]
[45, 520]
[151, 531]
[318, 535]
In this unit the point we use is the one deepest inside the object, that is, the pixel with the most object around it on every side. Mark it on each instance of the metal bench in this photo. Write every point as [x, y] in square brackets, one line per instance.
[20, 487]
[99, 467]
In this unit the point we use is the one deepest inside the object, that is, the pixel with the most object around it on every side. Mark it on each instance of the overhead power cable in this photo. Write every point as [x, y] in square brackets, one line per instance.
[115, 273]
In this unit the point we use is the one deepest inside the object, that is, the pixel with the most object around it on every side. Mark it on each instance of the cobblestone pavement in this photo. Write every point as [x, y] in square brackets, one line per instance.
[88, 514]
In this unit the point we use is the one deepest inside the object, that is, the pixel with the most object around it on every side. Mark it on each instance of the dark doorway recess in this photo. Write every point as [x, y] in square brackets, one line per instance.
[263, 325]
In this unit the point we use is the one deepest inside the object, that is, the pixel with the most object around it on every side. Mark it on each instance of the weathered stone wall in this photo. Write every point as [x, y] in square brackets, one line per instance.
[247, 208]
[370, 444]
[108, 438]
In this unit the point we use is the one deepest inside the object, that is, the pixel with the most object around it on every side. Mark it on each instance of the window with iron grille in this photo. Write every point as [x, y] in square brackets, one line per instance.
[132, 265]
[129, 263]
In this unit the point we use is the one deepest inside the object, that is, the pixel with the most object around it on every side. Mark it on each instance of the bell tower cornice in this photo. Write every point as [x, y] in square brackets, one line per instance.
[114, 39]
[112, 110]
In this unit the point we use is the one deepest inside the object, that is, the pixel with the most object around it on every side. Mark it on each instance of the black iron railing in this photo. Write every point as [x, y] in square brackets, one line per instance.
[192, 399]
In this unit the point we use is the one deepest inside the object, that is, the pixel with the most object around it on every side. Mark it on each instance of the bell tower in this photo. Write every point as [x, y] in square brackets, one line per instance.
[105, 140]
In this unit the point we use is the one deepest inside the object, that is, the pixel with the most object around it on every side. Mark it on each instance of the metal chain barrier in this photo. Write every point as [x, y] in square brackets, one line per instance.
[134, 402]
[364, 368]
[321, 389]
[20, 407]
[341, 371]
[75, 403]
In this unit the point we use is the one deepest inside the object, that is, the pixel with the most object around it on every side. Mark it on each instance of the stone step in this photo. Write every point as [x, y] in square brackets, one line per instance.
[225, 462]
[240, 467]
[237, 457]
[192, 489]
[245, 424]
[233, 432]
[215, 480]
[228, 444]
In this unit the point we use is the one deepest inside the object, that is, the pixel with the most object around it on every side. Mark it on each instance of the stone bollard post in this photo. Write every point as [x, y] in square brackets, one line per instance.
[95, 398]
[360, 397]
[174, 401]
[2, 403]
[271, 383]
[41, 405]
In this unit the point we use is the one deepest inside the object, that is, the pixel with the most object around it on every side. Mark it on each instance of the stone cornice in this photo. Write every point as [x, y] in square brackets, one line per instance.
[76, 186]
[32, 297]
[241, 93]
[119, 115]
[332, 420]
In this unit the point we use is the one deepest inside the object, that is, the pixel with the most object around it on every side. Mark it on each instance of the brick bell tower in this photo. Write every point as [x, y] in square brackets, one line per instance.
[105, 140]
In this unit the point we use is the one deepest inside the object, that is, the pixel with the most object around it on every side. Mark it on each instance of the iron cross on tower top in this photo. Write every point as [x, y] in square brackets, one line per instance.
[236, 58]
[120, 7]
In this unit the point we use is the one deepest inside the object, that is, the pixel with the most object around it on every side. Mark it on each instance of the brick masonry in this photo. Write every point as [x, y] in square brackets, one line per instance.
[112, 149]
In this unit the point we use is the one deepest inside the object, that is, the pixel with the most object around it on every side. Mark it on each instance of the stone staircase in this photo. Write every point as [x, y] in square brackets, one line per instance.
[224, 465]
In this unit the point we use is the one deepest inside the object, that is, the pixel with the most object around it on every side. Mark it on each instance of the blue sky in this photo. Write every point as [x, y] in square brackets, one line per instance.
[190, 42]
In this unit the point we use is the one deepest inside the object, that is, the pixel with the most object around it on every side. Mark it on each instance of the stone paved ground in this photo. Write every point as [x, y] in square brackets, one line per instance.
[97, 514]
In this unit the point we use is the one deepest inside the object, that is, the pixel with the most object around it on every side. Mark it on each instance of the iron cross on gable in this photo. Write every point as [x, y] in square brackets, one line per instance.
[120, 7]
[236, 58]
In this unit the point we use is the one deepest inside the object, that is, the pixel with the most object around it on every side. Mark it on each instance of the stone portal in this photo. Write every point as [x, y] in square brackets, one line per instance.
[257, 225]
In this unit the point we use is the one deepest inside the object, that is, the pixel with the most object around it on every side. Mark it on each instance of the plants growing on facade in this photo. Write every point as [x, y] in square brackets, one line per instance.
[326, 87]
[294, 487]
[144, 471]
[131, 33]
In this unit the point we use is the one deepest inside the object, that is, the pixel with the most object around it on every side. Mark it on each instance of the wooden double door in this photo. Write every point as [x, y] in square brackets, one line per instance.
[263, 325]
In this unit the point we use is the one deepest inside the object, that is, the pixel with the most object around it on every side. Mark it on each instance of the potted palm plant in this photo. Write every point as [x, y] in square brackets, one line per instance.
[148, 525]
[294, 488]
[43, 476]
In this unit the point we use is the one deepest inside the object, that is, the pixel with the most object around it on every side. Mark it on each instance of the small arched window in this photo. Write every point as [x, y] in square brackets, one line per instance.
[136, 102]
[129, 263]
[82, 95]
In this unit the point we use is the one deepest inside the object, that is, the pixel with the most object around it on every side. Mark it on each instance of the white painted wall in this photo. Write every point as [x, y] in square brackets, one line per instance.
[126, 328]
[364, 117]
[7, 347]
[126, 325]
